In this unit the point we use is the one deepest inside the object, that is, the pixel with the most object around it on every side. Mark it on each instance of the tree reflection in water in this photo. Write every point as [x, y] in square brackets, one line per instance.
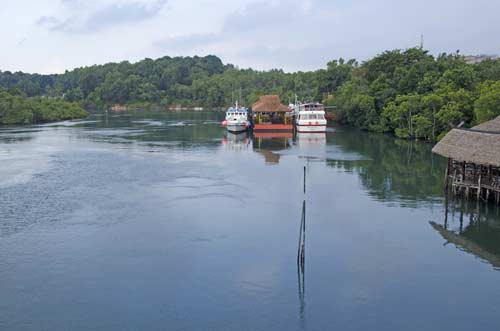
[392, 170]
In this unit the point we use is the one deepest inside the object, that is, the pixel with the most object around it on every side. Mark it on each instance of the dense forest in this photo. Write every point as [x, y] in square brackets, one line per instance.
[409, 93]
[16, 108]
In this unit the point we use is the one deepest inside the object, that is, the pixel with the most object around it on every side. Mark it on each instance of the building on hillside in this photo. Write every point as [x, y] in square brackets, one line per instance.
[473, 160]
[475, 59]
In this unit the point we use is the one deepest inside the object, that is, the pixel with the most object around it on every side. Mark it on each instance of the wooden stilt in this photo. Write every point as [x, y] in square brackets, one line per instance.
[479, 182]
[446, 176]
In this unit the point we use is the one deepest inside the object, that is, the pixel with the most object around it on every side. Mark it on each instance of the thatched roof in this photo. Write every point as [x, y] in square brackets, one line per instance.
[493, 125]
[268, 104]
[479, 145]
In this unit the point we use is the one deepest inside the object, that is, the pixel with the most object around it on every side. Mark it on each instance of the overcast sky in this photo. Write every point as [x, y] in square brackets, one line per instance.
[50, 36]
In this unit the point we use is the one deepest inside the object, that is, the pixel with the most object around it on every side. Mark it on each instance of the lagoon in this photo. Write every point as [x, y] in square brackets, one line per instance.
[160, 220]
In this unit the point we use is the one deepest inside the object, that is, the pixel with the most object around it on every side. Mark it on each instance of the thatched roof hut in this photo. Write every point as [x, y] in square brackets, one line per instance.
[492, 126]
[479, 145]
[269, 104]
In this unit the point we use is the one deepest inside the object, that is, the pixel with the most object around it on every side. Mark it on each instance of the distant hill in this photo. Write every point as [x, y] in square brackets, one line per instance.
[409, 93]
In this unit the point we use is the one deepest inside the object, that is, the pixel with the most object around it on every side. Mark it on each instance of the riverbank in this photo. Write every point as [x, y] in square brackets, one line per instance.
[16, 108]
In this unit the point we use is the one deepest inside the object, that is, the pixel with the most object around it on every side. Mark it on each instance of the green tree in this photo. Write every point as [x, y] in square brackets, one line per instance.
[487, 106]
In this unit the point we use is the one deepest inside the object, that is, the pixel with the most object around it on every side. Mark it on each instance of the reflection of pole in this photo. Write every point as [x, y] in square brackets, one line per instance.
[301, 258]
[302, 238]
[461, 217]
[446, 210]
[301, 252]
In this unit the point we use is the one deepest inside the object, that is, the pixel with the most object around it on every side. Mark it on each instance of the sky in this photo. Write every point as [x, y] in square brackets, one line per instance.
[51, 36]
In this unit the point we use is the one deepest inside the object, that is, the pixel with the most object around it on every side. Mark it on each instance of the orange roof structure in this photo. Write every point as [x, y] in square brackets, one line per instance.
[269, 104]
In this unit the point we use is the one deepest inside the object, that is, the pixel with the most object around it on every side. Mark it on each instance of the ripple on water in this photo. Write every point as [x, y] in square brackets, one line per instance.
[19, 165]
[149, 122]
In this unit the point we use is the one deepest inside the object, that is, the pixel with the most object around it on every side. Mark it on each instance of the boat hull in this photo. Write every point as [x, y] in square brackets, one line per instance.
[236, 127]
[311, 128]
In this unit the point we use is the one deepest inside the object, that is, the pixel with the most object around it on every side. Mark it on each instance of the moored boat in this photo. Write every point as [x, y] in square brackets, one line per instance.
[236, 119]
[309, 117]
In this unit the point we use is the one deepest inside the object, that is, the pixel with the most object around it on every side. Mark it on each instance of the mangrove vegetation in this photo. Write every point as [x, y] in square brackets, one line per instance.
[16, 108]
[410, 93]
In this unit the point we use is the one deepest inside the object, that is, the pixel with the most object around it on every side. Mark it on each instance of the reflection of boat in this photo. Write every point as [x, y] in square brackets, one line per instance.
[236, 119]
[236, 141]
[309, 117]
[311, 138]
[312, 145]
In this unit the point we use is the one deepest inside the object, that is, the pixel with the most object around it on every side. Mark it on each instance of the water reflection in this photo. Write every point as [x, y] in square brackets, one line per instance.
[236, 141]
[472, 227]
[306, 140]
[16, 136]
[268, 144]
[156, 129]
[177, 208]
[311, 146]
[301, 261]
[392, 170]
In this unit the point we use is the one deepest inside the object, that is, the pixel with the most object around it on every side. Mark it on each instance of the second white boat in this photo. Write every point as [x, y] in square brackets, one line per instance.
[310, 117]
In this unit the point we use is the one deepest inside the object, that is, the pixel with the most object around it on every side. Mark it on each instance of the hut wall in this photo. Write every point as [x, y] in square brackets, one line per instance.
[472, 179]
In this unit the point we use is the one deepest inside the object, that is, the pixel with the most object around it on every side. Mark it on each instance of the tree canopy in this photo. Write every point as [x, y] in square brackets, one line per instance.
[409, 93]
[15, 108]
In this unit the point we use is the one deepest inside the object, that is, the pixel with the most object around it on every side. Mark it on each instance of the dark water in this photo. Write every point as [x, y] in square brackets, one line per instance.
[157, 221]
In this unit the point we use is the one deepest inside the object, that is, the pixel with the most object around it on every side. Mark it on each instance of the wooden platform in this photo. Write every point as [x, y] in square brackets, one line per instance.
[273, 127]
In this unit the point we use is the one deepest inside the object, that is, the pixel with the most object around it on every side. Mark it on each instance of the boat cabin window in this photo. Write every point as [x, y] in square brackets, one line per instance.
[311, 117]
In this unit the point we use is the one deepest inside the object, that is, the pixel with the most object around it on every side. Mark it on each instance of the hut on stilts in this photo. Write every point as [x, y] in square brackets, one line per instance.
[270, 115]
[473, 161]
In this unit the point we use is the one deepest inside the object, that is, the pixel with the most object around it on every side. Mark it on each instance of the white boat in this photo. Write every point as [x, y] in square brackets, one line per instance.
[309, 117]
[236, 119]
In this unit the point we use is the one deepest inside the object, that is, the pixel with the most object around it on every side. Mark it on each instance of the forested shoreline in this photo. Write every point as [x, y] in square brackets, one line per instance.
[409, 93]
[16, 108]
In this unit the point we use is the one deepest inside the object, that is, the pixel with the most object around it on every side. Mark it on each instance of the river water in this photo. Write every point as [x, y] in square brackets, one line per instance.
[160, 221]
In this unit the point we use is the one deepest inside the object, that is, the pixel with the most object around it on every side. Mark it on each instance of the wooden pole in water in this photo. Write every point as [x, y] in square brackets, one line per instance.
[304, 179]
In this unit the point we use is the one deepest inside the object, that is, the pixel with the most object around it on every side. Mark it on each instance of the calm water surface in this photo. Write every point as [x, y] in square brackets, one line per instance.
[159, 221]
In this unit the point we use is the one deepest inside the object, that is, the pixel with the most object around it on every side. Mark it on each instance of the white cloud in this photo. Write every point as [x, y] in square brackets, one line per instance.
[291, 34]
[91, 18]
